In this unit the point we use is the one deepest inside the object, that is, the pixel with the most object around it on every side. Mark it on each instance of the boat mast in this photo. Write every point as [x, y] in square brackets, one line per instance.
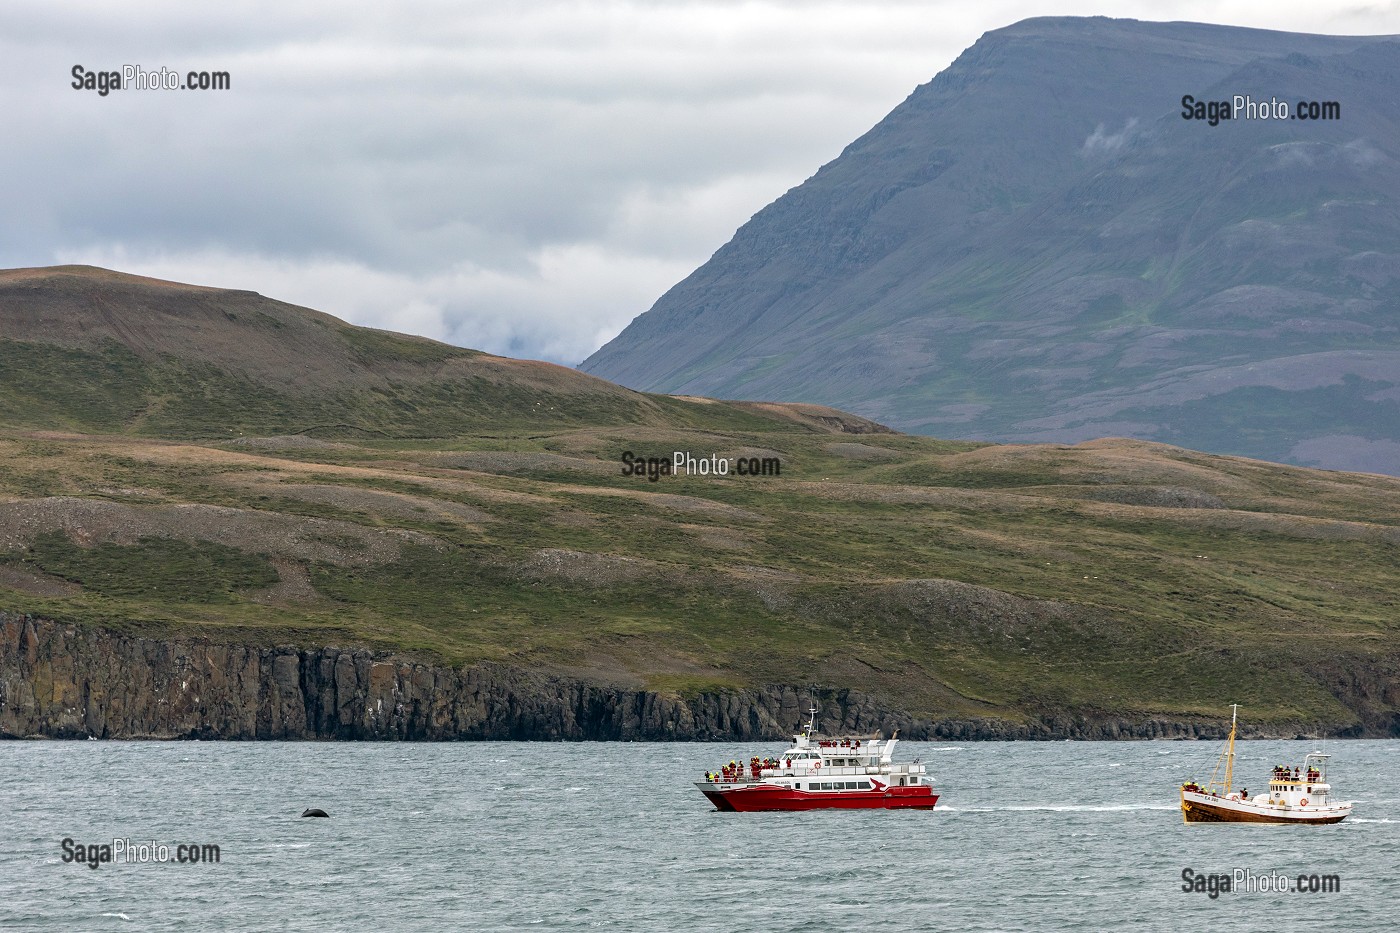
[812, 723]
[1230, 753]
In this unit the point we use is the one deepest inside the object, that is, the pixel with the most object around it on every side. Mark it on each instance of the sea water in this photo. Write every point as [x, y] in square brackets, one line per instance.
[597, 836]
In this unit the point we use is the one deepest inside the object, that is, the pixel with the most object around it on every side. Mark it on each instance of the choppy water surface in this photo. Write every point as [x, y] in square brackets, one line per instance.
[511, 836]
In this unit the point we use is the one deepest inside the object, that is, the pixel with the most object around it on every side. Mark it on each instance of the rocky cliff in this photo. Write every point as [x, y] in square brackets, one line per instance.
[61, 681]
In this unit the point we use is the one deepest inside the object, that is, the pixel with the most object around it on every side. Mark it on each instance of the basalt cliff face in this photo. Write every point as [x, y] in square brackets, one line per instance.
[59, 681]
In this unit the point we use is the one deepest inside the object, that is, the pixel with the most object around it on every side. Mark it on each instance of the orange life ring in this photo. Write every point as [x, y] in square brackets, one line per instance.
[816, 765]
[1303, 802]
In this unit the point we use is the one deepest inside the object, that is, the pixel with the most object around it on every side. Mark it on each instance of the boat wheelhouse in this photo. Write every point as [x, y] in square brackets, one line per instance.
[822, 772]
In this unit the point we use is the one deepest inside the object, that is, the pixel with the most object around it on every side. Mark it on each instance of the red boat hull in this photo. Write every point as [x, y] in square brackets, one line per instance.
[757, 797]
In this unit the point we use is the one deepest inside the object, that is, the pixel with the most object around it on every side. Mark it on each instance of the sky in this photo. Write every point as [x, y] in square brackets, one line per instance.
[518, 177]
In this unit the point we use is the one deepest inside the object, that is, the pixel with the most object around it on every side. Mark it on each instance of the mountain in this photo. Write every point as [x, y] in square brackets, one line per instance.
[1037, 246]
[90, 349]
[166, 571]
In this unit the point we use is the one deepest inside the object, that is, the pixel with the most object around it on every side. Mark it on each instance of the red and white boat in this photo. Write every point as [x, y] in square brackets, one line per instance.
[820, 773]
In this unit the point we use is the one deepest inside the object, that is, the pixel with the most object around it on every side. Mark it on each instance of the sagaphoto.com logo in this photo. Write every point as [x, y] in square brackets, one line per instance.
[134, 77]
[126, 852]
[1246, 881]
[1244, 107]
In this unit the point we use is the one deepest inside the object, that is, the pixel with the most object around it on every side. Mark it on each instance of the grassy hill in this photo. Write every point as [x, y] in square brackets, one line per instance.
[949, 579]
[93, 350]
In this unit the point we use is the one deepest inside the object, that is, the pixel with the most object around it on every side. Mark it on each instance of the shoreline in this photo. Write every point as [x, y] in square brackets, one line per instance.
[59, 681]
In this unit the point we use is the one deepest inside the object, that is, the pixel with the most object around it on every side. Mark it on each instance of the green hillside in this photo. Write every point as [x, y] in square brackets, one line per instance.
[465, 508]
[91, 350]
[947, 579]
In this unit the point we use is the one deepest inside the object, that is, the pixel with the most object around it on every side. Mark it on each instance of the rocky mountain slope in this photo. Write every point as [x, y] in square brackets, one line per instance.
[1036, 246]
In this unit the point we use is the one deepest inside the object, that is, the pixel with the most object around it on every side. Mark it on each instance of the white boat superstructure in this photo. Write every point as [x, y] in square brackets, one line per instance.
[817, 771]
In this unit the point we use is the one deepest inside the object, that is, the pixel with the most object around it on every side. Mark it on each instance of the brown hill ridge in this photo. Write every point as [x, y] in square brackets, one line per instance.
[287, 369]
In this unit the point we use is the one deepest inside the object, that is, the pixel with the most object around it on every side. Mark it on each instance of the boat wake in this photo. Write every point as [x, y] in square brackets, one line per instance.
[1063, 808]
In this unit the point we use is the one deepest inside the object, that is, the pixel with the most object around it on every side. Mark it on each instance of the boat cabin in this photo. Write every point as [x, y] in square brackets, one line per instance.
[822, 763]
[1299, 786]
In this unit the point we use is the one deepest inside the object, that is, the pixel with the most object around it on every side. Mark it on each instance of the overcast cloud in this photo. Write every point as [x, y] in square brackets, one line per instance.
[523, 178]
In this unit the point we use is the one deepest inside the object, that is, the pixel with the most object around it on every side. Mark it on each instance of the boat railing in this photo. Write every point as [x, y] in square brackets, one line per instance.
[747, 776]
[910, 768]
